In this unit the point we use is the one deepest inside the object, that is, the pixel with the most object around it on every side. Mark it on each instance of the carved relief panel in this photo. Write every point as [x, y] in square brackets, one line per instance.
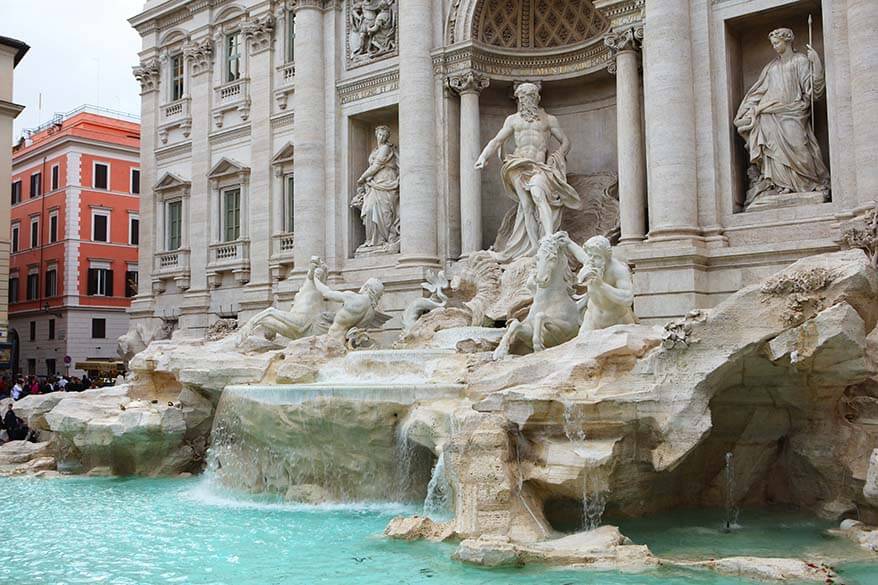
[372, 31]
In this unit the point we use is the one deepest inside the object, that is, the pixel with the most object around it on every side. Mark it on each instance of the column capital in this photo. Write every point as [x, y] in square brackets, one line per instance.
[621, 40]
[147, 73]
[467, 82]
[259, 31]
[198, 54]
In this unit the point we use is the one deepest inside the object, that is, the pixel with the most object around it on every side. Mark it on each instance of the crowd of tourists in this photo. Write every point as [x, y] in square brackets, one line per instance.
[12, 427]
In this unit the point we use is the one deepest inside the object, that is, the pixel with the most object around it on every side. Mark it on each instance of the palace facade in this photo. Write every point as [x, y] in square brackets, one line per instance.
[259, 120]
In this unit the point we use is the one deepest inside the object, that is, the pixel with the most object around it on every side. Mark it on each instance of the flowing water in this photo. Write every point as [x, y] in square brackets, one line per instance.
[593, 497]
[155, 532]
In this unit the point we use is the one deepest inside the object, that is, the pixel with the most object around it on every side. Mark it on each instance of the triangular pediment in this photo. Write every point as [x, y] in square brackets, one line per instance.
[225, 167]
[170, 181]
[284, 155]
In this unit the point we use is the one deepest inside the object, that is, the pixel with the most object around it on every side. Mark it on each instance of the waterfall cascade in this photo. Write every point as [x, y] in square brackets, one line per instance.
[593, 493]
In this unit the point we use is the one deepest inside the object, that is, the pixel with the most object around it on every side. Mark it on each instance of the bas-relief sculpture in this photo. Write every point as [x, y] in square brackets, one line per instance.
[377, 197]
[533, 177]
[775, 120]
[372, 29]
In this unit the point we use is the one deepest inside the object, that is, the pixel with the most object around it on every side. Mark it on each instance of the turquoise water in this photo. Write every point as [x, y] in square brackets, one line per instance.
[150, 532]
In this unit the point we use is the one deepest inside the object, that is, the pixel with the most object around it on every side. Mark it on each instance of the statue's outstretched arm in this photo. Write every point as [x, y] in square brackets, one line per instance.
[495, 143]
[328, 293]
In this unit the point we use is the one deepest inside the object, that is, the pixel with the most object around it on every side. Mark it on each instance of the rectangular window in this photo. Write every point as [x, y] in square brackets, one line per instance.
[174, 225]
[36, 185]
[231, 215]
[100, 224]
[133, 230]
[16, 238]
[33, 286]
[98, 328]
[51, 329]
[176, 77]
[33, 330]
[51, 282]
[102, 176]
[131, 281]
[13, 290]
[53, 227]
[31, 366]
[233, 57]
[289, 188]
[135, 181]
[56, 176]
[50, 367]
[35, 232]
[16, 192]
[100, 282]
[291, 36]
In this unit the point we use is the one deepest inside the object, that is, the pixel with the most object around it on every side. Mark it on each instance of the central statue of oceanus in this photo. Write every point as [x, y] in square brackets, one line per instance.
[532, 176]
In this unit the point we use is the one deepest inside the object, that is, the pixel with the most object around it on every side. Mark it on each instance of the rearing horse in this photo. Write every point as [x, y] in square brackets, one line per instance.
[554, 316]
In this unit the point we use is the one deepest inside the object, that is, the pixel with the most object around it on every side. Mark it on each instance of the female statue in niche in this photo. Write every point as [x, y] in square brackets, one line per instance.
[378, 197]
[775, 121]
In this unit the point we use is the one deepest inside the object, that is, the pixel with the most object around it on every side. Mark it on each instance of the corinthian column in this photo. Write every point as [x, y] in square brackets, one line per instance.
[309, 135]
[469, 85]
[862, 24]
[625, 45]
[417, 134]
[669, 100]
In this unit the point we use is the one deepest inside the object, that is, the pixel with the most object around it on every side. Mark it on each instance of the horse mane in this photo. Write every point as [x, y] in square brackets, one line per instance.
[551, 246]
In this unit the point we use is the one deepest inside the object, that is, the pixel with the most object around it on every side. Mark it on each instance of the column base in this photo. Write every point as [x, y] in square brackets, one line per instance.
[674, 233]
[416, 261]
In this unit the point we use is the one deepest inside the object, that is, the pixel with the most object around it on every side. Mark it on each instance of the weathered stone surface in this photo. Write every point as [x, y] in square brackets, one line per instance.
[767, 569]
[303, 358]
[16, 452]
[856, 531]
[32, 409]
[870, 490]
[419, 528]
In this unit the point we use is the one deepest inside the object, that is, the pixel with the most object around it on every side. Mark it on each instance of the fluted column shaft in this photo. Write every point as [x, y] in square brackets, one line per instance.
[629, 134]
[862, 24]
[669, 100]
[309, 135]
[417, 134]
[469, 85]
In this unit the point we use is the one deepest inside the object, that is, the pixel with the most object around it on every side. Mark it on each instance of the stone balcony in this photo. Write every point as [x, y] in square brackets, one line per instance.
[285, 76]
[176, 114]
[230, 97]
[173, 265]
[231, 257]
[282, 248]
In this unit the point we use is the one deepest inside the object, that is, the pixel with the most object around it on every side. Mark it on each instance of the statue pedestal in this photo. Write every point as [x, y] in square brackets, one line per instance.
[780, 200]
[366, 250]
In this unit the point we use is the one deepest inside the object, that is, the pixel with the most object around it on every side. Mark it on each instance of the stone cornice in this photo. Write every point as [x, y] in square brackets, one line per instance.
[365, 87]
[10, 109]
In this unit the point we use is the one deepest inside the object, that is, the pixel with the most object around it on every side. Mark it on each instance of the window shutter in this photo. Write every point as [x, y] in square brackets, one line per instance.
[92, 281]
[109, 283]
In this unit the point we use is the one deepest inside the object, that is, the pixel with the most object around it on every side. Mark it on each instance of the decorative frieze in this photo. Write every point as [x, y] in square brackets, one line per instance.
[148, 75]
[198, 54]
[372, 31]
[363, 88]
[260, 32]
[467, 82]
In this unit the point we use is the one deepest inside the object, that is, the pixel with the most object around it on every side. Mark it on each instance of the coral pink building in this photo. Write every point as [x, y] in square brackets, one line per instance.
[74, 236]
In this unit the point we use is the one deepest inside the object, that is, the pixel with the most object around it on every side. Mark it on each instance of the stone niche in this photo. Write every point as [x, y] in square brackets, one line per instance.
[586, 110]
[749, 50]
[361, 143]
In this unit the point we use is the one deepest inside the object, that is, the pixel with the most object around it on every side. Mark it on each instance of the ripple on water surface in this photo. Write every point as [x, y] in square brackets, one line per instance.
[151, 532]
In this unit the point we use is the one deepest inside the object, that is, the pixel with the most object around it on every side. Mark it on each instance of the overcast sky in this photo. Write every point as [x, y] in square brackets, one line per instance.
[81, 52]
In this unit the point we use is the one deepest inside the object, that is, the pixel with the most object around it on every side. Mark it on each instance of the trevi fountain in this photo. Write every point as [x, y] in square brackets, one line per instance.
[546, 408]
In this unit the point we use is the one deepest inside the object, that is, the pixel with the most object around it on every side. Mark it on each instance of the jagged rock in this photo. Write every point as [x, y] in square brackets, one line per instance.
[18, 452]
[32, 408]
[870, 490]
[422, 332]
[488, 551]
[419, 528]
[766, 569]
[307, 493]
[303, 358]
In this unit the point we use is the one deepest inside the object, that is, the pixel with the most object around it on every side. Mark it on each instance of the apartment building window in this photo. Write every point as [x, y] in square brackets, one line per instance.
[231, 214]
[16, 237]
[50, 367]
[36, 185]
[135, 181]
[53, 227]
[233, 57]
[131, 281]
[101, 179]
[16, 192]
[176, 77]
[289, 192]
[100, 281]
[34, 232]
[100, 225]
[291, 36]
[134, 230]
[51, 282]
[56, 176]
[33, 331]
[13, 290]
[98, 328]
[31, 366]
[174, 224]
[33, 286]
[51, 329]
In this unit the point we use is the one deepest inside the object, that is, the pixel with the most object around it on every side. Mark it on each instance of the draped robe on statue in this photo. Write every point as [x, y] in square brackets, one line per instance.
[512, 239]
[774, 120]
[380, 204]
